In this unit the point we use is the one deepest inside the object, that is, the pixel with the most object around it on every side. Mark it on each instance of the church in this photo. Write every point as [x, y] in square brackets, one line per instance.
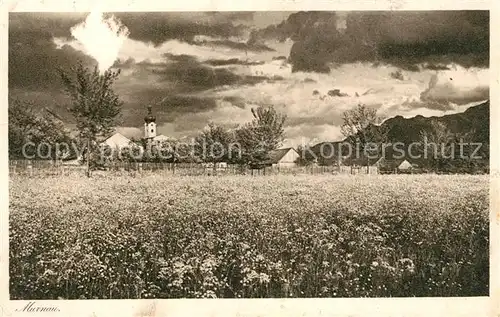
[150, 128]
[118, 140]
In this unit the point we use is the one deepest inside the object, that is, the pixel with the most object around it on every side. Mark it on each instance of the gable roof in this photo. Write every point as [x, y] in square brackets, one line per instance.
[130, 132]
[405, 165]
[276, 155]
[358, 161]
[117, 139]
[392, 164]
[161, 137]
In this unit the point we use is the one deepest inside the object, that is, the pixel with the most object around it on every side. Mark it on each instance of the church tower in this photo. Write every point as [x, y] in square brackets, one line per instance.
[149, 125]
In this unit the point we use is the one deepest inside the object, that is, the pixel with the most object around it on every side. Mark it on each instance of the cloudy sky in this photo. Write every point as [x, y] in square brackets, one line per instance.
[200, 67]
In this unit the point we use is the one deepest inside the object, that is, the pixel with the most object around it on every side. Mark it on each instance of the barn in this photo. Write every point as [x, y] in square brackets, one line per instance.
[117, 140]
[283, 158]
[405, 166]
[394, 165]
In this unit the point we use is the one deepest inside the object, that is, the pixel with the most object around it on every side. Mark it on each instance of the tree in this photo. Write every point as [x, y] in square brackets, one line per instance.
[442, 150]
[306, 156]
[436, 144]
[362, 128]
[29, 125]
[214, 145]
[94, 105]
[260, 136]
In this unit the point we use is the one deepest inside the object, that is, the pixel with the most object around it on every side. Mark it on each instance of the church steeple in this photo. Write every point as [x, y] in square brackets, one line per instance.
[149, 124]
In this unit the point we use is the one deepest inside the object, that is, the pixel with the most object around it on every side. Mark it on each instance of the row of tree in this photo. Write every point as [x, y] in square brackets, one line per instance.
[96, 110]
[249, 144]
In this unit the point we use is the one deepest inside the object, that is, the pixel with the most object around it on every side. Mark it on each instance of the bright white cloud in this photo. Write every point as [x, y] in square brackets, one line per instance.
[101, 38]
[458, 85]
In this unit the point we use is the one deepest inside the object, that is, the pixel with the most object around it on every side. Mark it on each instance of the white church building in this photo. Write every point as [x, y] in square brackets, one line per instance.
[150, 128]
[118, 140]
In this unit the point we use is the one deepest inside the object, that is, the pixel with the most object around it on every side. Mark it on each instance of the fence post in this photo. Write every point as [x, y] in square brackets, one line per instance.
[30, 168]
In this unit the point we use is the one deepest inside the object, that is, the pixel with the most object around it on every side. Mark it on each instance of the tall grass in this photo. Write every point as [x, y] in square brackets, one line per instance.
[276, 236]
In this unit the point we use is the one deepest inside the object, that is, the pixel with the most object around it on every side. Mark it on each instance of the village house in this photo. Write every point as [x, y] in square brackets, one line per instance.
[282, 158]
[119, 141]
[394, 165]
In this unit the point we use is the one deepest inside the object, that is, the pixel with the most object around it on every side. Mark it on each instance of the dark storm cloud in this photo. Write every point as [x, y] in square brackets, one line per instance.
[159, 27]
[176, 85]
[34, 59]
[182, 58]
[57, 24]
[231, 61]
[167, 103]
[400, 38]
[248, 46]
[186, 104]
[33, 55]
[436, 67]
[190, 75]
[235, 101]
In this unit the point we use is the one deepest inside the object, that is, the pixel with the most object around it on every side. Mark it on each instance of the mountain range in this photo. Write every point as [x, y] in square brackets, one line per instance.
[473, 122]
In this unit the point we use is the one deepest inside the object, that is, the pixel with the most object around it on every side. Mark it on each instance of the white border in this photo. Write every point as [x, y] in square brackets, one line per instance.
[256, 5]
[479, 306]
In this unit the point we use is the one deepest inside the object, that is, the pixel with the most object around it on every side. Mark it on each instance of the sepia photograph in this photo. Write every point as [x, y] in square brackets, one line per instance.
[248, 154]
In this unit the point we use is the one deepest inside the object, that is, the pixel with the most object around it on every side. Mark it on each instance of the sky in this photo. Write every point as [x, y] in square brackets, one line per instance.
[201, 67]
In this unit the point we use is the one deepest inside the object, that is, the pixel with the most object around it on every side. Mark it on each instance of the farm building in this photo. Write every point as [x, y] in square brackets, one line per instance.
[117, 140]
[283, 158]
[405, 165]
[394, 165]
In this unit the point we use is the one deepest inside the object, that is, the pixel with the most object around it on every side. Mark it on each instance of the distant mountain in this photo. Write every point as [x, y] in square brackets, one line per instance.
[475, 121]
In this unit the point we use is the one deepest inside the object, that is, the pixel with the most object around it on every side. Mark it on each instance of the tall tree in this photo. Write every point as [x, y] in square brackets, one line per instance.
[306, 156]
[94, 105]
[262, 135]
[29, 125]
[214, 145]
[363, 129]
[440, 147]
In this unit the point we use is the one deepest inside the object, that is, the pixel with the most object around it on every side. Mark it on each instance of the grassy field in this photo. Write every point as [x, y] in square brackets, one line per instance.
[240, 236]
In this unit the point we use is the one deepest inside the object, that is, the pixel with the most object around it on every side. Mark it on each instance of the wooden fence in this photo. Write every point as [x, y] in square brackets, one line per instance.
[47, 167]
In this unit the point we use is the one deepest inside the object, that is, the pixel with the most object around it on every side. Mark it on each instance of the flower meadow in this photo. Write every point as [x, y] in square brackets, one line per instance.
[155, 236]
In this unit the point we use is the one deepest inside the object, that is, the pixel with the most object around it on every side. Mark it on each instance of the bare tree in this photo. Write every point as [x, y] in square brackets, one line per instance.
[94, 104]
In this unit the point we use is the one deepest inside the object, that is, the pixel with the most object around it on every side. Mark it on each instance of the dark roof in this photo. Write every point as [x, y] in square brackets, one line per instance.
[276, 155]
[360, 161]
